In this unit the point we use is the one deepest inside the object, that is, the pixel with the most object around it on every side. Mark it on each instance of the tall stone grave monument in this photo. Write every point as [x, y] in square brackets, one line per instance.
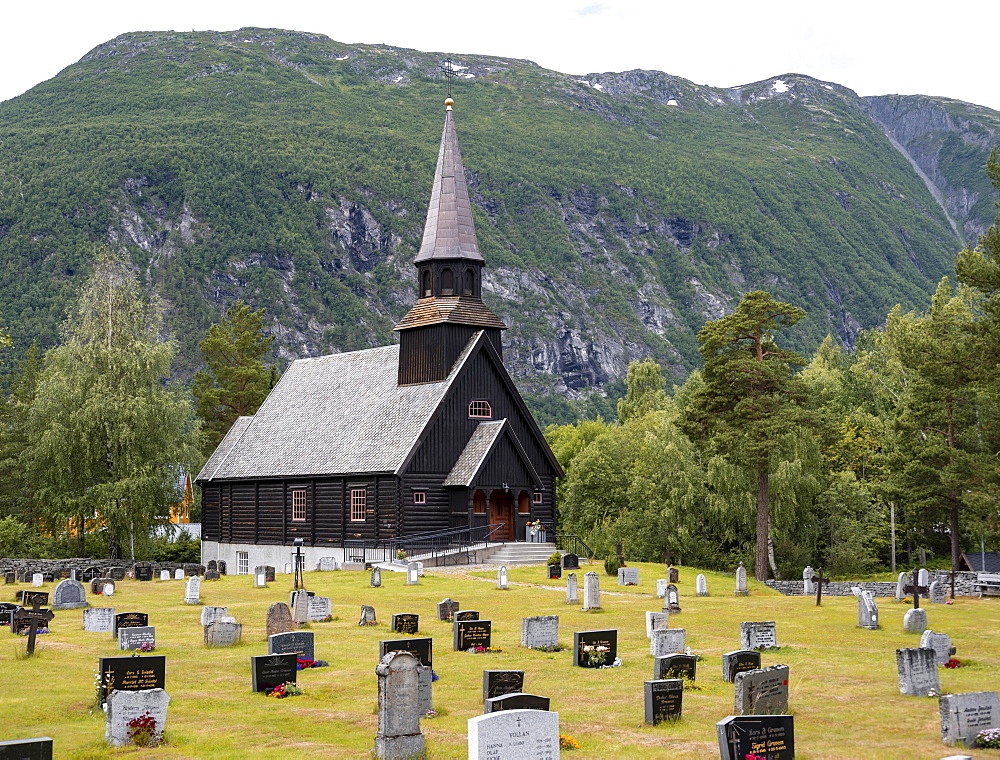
[572, 594]
[591, 592]
[741, 581]
[918, 674]
[399, 714]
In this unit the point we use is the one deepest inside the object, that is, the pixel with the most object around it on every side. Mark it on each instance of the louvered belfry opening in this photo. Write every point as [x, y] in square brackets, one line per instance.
[449, 308]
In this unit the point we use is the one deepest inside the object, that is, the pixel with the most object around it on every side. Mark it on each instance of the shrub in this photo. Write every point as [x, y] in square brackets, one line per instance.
[611, 564]
[554, 559]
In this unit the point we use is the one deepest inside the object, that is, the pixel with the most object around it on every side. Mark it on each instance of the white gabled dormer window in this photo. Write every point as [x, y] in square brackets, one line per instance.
[480, 410]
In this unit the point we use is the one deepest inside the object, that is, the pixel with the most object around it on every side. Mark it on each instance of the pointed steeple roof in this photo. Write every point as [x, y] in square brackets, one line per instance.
[449, 232]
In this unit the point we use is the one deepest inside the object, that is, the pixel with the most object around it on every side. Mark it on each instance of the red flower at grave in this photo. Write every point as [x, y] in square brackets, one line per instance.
[953, 663]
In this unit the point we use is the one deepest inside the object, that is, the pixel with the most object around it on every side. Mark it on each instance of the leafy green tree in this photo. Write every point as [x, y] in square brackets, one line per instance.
[237, 381]
[644, 391]
[106, 433]
[750, 399]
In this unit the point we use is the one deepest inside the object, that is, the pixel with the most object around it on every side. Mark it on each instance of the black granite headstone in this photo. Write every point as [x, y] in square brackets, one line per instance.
[515, 701]
[768, 736]
[663, 700]
[271, 670]
[27, 597]
[405, 622]
[143, 572]
[269, 570]
[570, 562]
[131, 673]
[471, 633]
[130, 620]
[421, 648]
[467, 615]
[554, 571]
[496, 683]
[737, 661]
[586, 643]
[27, 749]
[675, 666]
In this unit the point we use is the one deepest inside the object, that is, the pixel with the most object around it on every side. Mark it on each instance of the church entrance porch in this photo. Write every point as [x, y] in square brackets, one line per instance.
[501, 512]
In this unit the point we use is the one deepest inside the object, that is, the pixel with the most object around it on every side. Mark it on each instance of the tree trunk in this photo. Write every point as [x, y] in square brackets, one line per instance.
[770, 556]
[763, 523]
[81, 537]
[955, 550]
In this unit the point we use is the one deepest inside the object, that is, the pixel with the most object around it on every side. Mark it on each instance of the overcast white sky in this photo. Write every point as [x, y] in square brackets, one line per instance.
[875, 47]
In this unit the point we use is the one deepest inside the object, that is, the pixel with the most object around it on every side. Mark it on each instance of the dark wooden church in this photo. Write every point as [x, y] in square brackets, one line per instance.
[427, 435]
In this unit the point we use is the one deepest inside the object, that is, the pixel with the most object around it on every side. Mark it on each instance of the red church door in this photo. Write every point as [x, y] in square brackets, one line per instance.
[502, 515]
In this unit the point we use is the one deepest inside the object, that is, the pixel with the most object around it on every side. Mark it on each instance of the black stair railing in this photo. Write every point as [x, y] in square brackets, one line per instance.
[450, 544]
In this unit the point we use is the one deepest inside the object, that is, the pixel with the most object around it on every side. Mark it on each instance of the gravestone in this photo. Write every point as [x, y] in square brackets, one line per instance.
[667, 641]
[741, 581]
[39, 748]
[300, 608]
[99, 619]
[466, 615]
[628, 576]
[915, 620]
[673, 574]
[376, 578]
[502, 582]
[661, 588]
[965, 715]
[901, 582]
[422, 648]
[918, 674]
[179, 574]
[471, 633]
[554, 571]
[37, 580]
[761, 692]
[259, 579]
[130, 639]
[671, 602]
[165, 575]
[118, 573]
[192, 590]
[675, 666]
[656, 621]
[299, 643]
[759, 635]
[210, 614]
[130, 674]
[69, 595]
[412, 574]
[320, 608]
[514, 735]
[496, 683]
[28, 597]
[125, 706]
[130, 620]
[808, 588]
[744, 736]
[540, 632]
[515, 701]
[571, 562]
[327, 564]
[700, 585]
[143, 572]
[268, 671]
[279, 619]
[602, 643]
[212, 575]
[405, 622]
[288, 568]
[867, 611]
[446, 609]
[213, 565]
[939, 642]
[223, 633]
[109, 589]
[9, 578]
[937, 593]
[269, 569]
[425, 689]
[923, 577]
[663, 698]
[97, 584]
[591, 592]
[738, 662]
[367, 615]
[571, 589]
[399, 709]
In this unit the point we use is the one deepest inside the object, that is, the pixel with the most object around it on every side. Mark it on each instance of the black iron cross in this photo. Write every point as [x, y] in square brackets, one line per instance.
[34, 616]
[448, 69]
[819, 581]
[915, 589]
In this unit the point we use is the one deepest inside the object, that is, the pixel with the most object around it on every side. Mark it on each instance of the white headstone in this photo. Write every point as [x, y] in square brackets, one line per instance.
[376, 579]
[210, 614]
[125, 706]
[320, 608]
[965, 715]
[399, 708]
[918, 675]
[867, 611]
[541, 631]
[502, 583]
[165, 575]
[288, 568]
[661, 587]
[412, 574]
[109, 589]
[667, 641]
[192, 590]
[759, 635]
[915, 621]
[741, 581]
[300, 607]
[514, 735]
[179, 574]
[37, 580]
[701, 585]
[572, 594]
[591, 591]
[99, 619]
[327, 564]
[923, 577]
[939, 642]
[260, 580]
[808, 587]
[901, 582]
[656, 621]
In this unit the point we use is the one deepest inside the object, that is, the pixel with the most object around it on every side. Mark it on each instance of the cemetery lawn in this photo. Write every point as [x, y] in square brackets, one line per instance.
[843, 687]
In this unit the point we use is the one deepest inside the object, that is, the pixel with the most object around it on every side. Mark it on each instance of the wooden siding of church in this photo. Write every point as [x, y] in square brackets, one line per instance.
[418, 518]
[427, 354]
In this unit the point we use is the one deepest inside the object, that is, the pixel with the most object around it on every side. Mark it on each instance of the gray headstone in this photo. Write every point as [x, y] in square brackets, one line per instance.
[223, 633]
[656, 621]
[132, 638]
[591, 591]
[300, 608]
[918, 674]
[741, 581]
[502, 582]
[412, 576]
[965, 715]
[320, 608]
[937, 593]
[279, 619]
[939, 642]
[572, 594]
[126, 706]
[446, 609]
[667, 641]
[399, 712]
[367, 615]
[540, 631]
[808, 587]
[210, 614]
[701, 585]
[192, 590]
[867, 611]
[99, 619]
[514, 735]
[299, 643]
[901, 582]
[661, 587]
[671, 602]
[915, 621]
[425, 689]
[327, 564]
[628, 576]
[376, 579]
[69, 595]
[762, 692]
[759, 635]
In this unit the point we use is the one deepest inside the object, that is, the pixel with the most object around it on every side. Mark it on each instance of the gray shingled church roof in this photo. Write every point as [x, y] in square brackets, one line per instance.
[330, 415]
[471, 458]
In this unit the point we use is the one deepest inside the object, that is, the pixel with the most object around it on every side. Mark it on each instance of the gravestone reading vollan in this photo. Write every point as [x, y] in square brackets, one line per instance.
[768, 736]
[540, 632]
[399, 712]
[738, 662]
[595, 649]
[299, 643]
[467, 634]
[667, 641]
[69, 594]
[514, 735]
[571, 589]
[683, 666]
[279, 619]
[496, 683]
[405, 622]
[99, 619]
[130, 674]
[965, 715]
[125, 706]
[268, 671]
[420, 647]
[761, 692]
[130, 639]
[759, 635]
[663, 699]
[918, 674]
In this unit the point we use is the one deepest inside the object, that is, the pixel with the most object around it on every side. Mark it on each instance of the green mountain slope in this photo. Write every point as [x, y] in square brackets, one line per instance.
[617, 212]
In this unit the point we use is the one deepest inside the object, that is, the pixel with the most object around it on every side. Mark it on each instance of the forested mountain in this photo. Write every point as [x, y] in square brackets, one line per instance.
[617, 212]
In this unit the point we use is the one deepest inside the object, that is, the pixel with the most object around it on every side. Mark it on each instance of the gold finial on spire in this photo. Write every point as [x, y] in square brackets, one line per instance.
[448, 103]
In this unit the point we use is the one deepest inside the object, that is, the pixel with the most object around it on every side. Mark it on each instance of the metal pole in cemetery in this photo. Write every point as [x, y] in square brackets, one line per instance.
[297, 543]
[819, 581]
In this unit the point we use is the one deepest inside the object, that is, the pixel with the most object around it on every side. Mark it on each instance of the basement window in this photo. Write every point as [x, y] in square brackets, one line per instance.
[480, 410]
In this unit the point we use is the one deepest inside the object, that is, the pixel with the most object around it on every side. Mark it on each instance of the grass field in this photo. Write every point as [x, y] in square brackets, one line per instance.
[843, 689]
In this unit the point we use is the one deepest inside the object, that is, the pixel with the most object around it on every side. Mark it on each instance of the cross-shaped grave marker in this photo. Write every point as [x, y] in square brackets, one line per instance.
[34, 616]
[820, 581]
[915, 589]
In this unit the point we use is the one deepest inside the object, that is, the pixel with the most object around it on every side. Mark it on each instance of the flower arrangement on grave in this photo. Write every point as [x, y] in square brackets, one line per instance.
[401, 555]
[25, 631]
[482, 650]
[568, 742]
[287, 689]
[142, 731]
[752, 756]
[147, 646]
[988, 739]
[304, 664]
[953, 662]
[549, 648]
[595, 654]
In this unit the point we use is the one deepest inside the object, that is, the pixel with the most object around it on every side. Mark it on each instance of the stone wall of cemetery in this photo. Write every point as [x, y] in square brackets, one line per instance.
[965, 585]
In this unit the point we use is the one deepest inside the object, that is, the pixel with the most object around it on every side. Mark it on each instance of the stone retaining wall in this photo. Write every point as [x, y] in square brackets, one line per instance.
[55, 567]
[965, 585]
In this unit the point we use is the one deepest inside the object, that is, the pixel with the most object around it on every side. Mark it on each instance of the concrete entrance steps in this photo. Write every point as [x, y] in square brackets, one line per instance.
[519, 554]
